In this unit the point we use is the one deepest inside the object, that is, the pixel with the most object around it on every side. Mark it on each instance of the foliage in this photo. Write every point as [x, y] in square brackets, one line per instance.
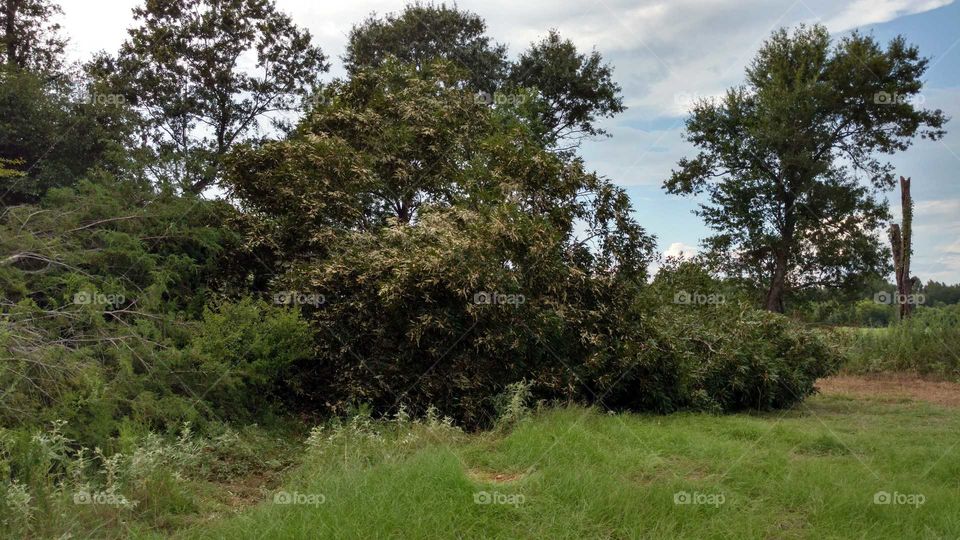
[181, 69]
[780, 159]
[926, 344]
[39, 125]
[579, 89]
[424, 33]
[408, 199]
[249, 348]
[30, 41]
[559, 91]
[99, 295]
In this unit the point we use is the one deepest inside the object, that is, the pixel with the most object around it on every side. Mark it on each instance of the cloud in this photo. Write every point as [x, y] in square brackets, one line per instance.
[863, 12]
[680, 250]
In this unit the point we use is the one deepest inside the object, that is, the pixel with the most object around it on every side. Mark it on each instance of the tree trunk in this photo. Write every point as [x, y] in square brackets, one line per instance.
[902, 247]
[778, 285]
[10, 9]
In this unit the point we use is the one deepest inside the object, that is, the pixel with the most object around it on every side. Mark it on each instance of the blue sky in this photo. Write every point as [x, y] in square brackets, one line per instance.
[667, 53]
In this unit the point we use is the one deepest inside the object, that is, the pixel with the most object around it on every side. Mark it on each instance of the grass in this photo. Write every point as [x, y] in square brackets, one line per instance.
[811, 472]
[927, 344]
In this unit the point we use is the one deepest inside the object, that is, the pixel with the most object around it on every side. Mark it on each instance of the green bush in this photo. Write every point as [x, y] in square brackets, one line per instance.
[248, 350]
[700, 345]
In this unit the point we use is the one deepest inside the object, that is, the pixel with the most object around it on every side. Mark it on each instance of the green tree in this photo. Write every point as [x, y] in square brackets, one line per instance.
[30, 39]
[423, 33]
[576, 88]
[568, 90]
[782, 158]
[400, 198]
[41, 126]
[182, 69]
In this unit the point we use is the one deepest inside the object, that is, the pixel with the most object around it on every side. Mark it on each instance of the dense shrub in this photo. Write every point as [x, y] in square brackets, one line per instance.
[700, 345]
[248, 350]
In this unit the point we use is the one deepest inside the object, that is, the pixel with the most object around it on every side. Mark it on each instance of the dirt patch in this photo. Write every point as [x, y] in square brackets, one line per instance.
[493, 477]
[893, 387]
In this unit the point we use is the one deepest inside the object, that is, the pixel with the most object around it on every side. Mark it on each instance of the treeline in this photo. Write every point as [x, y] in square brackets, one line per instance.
[424, 234]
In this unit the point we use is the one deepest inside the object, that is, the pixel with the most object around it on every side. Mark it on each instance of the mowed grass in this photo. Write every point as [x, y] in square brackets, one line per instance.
[810, 472]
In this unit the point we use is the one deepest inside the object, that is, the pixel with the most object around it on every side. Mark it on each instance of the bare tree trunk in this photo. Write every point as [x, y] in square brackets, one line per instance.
[902, 247]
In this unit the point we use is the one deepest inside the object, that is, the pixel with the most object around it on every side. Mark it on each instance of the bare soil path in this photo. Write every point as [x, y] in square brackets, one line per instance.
[893, 386]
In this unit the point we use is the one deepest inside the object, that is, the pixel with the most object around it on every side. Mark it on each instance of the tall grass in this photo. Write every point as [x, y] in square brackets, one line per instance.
[927, 343]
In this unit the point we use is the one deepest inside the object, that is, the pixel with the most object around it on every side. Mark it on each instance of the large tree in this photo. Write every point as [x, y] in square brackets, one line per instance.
[562, 92]
[183, 67]
[790, 162]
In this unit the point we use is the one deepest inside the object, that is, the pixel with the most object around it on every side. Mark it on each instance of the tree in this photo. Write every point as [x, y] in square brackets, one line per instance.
[30, 40]
[399, 198]
[789, 161]
[182, 68]
[57, 130]
[577, 88]
[393, 139]
[561, 91]
[901, 243]
[424, 33]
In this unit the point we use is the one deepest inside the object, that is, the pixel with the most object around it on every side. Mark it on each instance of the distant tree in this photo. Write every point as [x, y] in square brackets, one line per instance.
[182, 69]
[577, 88]
[789, 161]
[937, 292]
[31, 41]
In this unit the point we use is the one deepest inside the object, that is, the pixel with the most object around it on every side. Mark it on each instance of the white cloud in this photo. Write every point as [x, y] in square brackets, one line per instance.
[863, 12]
[680, 250]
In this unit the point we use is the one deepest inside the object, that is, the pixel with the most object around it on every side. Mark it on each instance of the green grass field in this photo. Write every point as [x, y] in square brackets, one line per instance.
[834, 467]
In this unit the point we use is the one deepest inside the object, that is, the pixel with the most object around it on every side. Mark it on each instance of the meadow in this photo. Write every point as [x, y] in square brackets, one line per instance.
[834, 467]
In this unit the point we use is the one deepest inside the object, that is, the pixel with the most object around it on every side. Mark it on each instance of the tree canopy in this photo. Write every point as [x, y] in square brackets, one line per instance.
[790, 161]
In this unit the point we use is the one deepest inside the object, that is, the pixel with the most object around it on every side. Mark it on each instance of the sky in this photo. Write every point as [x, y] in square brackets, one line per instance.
[665, 54]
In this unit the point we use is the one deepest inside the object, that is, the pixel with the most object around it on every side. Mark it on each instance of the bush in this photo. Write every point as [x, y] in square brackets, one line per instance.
[248, 350]
[699, 345]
